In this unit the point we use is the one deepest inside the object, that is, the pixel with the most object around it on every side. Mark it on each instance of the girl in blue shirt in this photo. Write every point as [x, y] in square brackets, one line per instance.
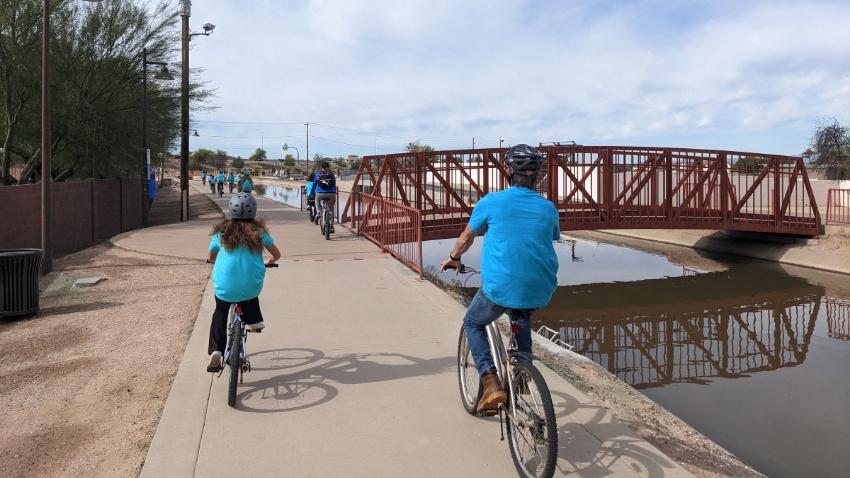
[236, 249]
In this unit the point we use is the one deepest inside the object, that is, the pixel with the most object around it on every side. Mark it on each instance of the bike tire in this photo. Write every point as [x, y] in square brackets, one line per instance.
[235, 365]
[467, 376]
[327, 231]
[539, 460]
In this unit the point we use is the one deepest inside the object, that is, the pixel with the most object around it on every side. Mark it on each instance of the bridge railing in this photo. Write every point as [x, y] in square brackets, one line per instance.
[396, 228]
[838, 206]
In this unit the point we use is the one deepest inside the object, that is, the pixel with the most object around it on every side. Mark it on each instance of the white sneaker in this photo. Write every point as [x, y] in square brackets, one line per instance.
[215, 362]
[255, 327]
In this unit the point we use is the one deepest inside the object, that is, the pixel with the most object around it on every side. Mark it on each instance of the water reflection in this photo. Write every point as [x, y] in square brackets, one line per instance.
[287, 195]
[689, 329]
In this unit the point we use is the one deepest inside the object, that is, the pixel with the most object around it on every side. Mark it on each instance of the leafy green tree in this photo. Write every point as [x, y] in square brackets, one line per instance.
[417, 147]
[96, 88]
[201, 156]
[830, 141]
[219, 159]
[289, 161]
[237, 163]
[259, 155]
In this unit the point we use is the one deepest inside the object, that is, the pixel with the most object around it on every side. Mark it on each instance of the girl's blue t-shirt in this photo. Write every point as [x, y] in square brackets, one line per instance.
[247, 183]
[311, 188]
[238, 275]
[203, 175]
[219, 178]
[519, 267]
[230, 178]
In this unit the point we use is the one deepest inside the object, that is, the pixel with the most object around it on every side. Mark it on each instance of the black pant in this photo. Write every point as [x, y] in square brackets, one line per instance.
[218, 329]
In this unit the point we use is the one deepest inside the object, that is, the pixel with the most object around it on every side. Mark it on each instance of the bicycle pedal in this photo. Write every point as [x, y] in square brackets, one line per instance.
[488, 413]
[255, 331]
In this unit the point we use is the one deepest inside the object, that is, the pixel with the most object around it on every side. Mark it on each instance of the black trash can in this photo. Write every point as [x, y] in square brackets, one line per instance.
[19, 272]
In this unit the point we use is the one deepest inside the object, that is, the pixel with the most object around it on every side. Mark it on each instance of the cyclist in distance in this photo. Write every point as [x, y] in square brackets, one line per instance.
[310, 190]
[230, 180]
[204, 178]
[236, 249]
[219, 179]
[518, 263]
[246, 180]
[325, 187]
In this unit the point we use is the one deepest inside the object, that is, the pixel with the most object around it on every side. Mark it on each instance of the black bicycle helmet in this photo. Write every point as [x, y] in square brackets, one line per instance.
[311, 177]
[243, 206]
[524, 159]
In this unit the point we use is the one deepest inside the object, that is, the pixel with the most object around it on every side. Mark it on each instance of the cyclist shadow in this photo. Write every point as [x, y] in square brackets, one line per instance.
[308, 381]
[590, 458]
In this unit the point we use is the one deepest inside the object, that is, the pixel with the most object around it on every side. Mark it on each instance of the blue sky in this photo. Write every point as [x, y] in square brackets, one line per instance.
[743, 75]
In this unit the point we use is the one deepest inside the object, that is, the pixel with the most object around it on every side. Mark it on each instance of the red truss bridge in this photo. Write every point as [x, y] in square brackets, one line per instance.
[400, 200]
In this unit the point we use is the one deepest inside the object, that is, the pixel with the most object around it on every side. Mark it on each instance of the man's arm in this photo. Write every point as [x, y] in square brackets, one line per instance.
[464, 242]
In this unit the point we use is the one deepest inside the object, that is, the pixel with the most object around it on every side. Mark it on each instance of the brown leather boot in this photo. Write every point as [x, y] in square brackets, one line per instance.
[494, 394]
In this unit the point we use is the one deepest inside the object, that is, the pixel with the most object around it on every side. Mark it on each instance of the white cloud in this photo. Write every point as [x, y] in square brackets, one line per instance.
[725, 75]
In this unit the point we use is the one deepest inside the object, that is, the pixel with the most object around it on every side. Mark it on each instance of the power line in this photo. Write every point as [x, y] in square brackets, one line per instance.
[356, 145]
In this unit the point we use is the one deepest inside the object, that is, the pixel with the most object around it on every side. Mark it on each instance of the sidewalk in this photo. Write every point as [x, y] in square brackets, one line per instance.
[354, 375]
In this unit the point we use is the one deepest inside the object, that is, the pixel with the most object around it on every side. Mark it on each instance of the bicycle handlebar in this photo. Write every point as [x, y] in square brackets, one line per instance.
[269, 266]
[463, 269]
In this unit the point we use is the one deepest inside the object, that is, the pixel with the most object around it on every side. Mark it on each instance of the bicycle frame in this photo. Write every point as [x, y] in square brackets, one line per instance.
[236, 322]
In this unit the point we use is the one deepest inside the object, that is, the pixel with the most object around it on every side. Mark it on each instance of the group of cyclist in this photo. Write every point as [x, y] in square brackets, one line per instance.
[518, 262]
[238, 181]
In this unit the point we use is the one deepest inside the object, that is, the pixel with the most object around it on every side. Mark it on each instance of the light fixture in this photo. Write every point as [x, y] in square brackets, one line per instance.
[209, 27]
[196, 133]
[164, 74]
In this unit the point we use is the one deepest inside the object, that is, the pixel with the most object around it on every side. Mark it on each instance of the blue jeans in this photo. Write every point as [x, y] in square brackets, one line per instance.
[481, 312]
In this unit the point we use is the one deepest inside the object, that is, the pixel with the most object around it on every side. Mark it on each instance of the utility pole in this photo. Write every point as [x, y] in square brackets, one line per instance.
[308, 148]
[46, 168]
[185, 13]
[473, 142]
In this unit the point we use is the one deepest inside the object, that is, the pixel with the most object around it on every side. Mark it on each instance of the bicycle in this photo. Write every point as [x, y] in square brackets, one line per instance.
[326, 220]
[529, 412]
[311, 207]
[231, 188]
[212, 187]
[220, 189]
[235, 352]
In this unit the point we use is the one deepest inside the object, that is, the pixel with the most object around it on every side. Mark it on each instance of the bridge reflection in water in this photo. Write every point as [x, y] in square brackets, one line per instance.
[690, 329]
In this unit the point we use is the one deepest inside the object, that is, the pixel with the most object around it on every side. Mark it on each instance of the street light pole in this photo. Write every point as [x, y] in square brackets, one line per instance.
[146, 160]
[308, 148]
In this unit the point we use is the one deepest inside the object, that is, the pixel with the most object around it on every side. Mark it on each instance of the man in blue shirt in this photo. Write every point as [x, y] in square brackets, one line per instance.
[219, 179]
[325, 188]
[231, 180]
[518, 263]
[204, 177]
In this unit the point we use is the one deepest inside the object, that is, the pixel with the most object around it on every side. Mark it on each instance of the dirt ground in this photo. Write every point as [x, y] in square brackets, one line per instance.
[86, 379]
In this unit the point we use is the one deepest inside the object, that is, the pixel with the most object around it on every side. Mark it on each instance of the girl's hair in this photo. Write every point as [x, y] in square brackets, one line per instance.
[235, 233]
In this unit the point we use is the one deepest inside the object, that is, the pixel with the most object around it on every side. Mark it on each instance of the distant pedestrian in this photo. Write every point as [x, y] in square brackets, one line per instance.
[151, 190]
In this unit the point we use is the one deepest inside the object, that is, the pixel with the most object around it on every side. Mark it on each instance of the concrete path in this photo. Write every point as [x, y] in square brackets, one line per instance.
[354, 375]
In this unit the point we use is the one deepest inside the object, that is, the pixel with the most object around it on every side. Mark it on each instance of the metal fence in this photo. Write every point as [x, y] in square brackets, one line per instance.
[396, 228]
[838, 206]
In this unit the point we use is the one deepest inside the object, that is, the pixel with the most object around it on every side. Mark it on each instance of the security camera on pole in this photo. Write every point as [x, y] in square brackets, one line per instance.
[186, 12]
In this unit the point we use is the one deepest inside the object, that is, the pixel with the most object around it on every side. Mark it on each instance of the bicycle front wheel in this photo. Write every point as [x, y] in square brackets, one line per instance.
[467, 376]
[533, 436]
[235, 364]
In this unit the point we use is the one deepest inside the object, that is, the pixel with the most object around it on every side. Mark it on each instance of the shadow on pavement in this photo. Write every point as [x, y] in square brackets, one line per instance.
[310, 387]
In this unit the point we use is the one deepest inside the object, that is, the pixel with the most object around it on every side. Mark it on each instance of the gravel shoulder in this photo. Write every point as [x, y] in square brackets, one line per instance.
[86, 379]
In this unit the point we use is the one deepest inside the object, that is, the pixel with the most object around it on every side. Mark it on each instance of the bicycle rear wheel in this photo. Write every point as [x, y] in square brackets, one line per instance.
[533, 437]
[235, 364]
[328, 224]
[467, 376]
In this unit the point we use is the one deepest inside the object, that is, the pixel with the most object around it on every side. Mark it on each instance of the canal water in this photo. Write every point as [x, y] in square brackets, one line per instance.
[286, 195]
[754, 355]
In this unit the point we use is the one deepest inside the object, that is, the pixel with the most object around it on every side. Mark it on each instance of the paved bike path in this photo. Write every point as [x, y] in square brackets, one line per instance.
[354, 375]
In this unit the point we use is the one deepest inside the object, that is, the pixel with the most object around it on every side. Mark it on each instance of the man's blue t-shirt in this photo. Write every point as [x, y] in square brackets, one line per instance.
[203, 174]
[219, 178]
[519, 267]
[238, 274]
[230, 178]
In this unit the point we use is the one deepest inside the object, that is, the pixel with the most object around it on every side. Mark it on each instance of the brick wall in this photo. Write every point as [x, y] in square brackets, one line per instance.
[72, 216]
[131, 202]
[106, 200]
[84, 213]
[21, 224]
